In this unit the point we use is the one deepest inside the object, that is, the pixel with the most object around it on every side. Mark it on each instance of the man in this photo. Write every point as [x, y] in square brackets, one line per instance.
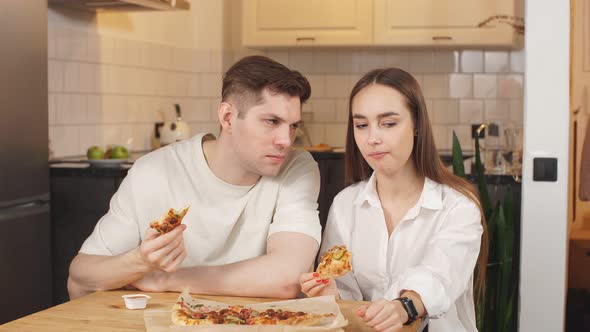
[253, 225]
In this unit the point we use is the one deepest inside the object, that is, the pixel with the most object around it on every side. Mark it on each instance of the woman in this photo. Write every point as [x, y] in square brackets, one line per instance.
[414, 229]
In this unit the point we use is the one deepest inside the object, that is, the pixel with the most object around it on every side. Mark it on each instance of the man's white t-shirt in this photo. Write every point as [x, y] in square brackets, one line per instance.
[226, 223]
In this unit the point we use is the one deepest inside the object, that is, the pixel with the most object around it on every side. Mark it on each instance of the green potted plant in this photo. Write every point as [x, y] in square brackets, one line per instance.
[497, 310]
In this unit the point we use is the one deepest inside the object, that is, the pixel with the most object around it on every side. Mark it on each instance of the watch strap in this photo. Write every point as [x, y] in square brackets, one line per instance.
[410, 309]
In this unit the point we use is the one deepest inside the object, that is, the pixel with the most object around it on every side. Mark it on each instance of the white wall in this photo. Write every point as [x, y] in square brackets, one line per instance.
[544, 204]
[111, 74]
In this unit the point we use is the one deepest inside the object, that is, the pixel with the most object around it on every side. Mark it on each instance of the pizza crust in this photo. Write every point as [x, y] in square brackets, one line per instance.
[186, 313]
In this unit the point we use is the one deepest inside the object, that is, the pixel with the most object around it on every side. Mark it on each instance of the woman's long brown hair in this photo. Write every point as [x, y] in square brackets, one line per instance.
[424, 154]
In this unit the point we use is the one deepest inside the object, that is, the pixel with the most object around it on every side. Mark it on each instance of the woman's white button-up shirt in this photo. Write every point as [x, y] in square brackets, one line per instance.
[432, 251]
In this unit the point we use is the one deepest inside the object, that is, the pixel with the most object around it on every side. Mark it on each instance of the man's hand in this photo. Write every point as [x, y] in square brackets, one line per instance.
[152, 282]
[383, 315]
[312, 285]
[163, 252]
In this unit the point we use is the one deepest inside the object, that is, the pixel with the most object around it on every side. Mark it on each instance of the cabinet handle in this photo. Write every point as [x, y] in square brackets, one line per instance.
[442, 38]
[305, 39]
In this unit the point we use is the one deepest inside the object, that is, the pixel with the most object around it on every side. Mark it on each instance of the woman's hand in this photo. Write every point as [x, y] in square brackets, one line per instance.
[312, 285]
[383, 315]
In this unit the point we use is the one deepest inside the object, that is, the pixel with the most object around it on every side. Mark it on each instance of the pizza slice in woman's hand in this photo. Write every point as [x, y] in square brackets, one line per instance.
[170, 220]
[335, 263]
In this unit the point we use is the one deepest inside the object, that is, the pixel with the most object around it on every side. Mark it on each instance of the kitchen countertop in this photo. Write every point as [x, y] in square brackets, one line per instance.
[79, 166]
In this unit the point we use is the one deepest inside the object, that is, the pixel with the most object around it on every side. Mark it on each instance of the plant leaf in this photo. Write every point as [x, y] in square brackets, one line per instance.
[481, 182]
[458, 167]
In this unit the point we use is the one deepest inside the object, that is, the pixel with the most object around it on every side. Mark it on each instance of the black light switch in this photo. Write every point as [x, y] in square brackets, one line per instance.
[545, 169]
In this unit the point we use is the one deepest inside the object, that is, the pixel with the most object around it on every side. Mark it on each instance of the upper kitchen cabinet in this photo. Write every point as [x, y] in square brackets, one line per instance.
[447, 23]
[267, 23]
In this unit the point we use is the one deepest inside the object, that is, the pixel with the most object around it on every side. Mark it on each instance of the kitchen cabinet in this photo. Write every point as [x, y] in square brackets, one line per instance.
[267, 23]
[79, 197]
[331, 167]
[446, 23]
[426, 23]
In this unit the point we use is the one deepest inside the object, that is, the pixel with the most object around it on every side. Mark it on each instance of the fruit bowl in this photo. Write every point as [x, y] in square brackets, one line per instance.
[106, 162]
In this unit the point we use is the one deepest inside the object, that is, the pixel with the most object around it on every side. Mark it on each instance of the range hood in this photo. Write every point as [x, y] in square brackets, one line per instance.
[122, 5]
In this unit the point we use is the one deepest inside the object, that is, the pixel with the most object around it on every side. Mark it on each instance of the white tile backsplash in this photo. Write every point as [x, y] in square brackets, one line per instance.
[460, 86]
[472, 61]
[421, 62]
[471, 111]
[55, 71]
[51, 108]
[485, 86]
[324, 62]
[65, 140]
[337, 86]
[397, 59]
[463, 133]
[279, 56]
[201, 61]
[442, 136]
[302, 60]
[210, 85]
[516, 111]
[196, 109]
[497, 62]
[336, 134]
[446, 61]
[435, 86]
[318, 85]
[317, 132]
[517, 61]
[497, 110]
[216, 61]
[323, 110]
[372, 59]
[342, 110]
[345, 62]
[72, 77]
[105, 89]
[446, 111]
[510, 86]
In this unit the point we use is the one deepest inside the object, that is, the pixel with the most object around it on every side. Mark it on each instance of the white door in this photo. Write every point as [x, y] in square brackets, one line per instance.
[546, 135]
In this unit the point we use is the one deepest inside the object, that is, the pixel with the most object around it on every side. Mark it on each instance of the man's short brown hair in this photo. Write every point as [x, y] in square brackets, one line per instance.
[244, 82]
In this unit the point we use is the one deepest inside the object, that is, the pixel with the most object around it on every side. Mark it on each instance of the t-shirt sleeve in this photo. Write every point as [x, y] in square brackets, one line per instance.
[296, 209]
[117, 231]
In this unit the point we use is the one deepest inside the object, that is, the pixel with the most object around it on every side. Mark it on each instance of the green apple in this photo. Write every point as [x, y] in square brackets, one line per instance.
[119, 152]
[94, 152]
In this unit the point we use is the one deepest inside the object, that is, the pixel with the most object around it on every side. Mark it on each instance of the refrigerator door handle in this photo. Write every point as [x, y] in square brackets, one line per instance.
[24, 201]
[24, 209]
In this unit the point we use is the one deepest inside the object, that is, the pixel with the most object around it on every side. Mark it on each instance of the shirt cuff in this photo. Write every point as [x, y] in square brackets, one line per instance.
[431, 291]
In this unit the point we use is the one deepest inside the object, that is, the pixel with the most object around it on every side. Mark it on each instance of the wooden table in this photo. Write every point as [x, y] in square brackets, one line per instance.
[105, 311]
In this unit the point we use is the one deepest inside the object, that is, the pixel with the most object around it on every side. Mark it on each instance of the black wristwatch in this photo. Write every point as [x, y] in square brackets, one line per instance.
[410, 309]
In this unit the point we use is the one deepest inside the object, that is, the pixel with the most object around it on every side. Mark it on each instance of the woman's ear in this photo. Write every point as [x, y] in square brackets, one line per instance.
[225, 116]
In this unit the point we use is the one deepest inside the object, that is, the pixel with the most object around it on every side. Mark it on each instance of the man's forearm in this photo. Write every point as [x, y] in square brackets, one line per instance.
[258, 277]
[275, 274]
[89, 273]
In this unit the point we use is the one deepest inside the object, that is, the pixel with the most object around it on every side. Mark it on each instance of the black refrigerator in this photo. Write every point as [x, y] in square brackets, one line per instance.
[25, 257]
